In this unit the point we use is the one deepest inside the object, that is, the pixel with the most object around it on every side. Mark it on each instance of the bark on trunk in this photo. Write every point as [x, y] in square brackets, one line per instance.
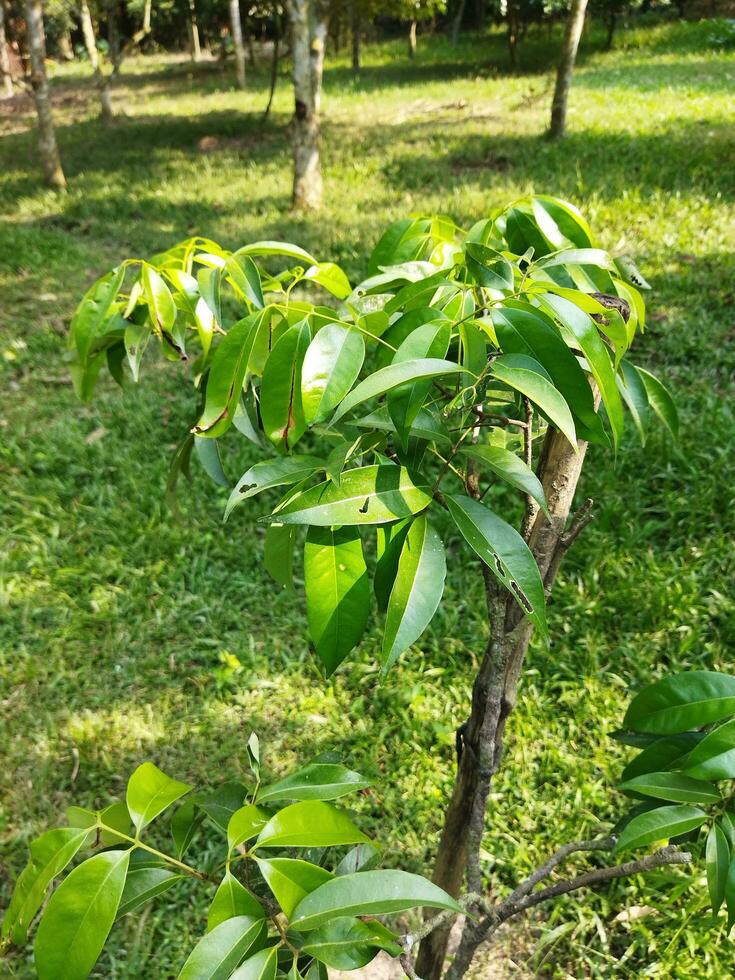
[355, 29]
[308, 36]
[457, 21]
[47, 147]
[412, 40]
[236, 27]
[612, 22]
[6, 79]
[194, 46]
[274, 62]
[572, 34]
[66, 49]
[100, 79]
[495, 692]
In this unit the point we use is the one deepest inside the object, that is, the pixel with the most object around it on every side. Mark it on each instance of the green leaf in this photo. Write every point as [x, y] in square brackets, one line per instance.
[526, 375]
[661, 402]
[390, 538]
[561, 222]
[160, 302]
[730, 894]
[184, 823]
[717, 855]
[244, 275]
[337, 591]
[220, 805]
[634, 394]
[416, 592]
[262, 966]
[94, 310]
[510, 468]
[226, 376]
[505, 553]
[280, 391]
[349, 944]
[245, 824]
[218, 953]
[488, 267]
[665, 753]
[136, 340]
[231, 900]
[269, 473]
[714, 757]
[331, 277]
[367, 495]
[317, 781]
[277, 248]
[360, 858]
[210, 289]
[79, 916]
[402, 241]
[660, 824]
[149, 792]
[207, 451]
[404, 402]
[369, 893]
[142, 884]
[672, 786]
[50, 854]
[584, 333]
[290, 880]
[678, 703]
[390, 377]
[278, 553]
[310, 823]
[331, 366]
[426, 425]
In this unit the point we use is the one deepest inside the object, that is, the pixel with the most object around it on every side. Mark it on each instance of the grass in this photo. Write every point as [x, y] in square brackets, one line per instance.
[115, 615]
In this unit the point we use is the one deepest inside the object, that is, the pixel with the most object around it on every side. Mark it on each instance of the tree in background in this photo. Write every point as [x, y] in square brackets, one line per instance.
[572, 34]
[48, 149]
[309, 21]
[237, 44]
[102, 80]
[6, 78]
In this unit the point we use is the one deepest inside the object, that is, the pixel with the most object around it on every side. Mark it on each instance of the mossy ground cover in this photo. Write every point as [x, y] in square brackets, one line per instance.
[129, 633]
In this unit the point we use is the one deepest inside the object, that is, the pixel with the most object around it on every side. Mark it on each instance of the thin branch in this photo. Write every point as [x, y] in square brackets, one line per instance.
[557, 858]
[580, 521]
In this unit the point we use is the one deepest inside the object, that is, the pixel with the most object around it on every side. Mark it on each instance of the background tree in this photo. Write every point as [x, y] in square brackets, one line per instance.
[572, 34]
[48, 149]
[239, 48]
[6, 78]
[101, 78]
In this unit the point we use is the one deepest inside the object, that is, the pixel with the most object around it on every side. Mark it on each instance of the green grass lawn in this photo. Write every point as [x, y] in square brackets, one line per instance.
[115, 614]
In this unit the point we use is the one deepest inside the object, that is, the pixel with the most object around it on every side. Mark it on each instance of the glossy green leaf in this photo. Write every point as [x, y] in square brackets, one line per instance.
[277, 248]
[681, 702]
[714, 756]
[505, 553]
[488, 267]
[633, 392]
[281, 408]
[160, 302]
[143, 884]
[218, 953]
[368, 495]
[661, 402]
[404, 402]
[184, 824]
[672, 786]
[369, 893]
[210, 290]
[337, 591]
[245, 277]
[426, 425]
[360, 858]
[349, 944]
[390, 377]
[290, 880]
[226, 376]
[261, 966]
[416, 592]
[207, 452]
[317, 781]
[575, 256]
[49, 855]
[526, 375]
[390, 538]
[331, 366]
[269, 473]
[245, 824]
[149, 792]
[561, 222]
[660, 824]
[231, 900]
[79, 916]
[331, 277]
[94, 310]
[220, 805]
[511, 468]
[665, 753]
[278, 552]
[310, 823]
[136, 340]
[717, 856]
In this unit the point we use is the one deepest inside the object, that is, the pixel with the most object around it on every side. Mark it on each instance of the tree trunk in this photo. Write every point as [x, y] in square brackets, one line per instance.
[274, 61]
[236, 27]
[147, 13]
[612, 22]
[356, 29]
[457, 21]
[194, 46]
[412, 40]
[308, 36]
[6, 78]
[495, 691]
[47, 146]
[66, 48]
[572, 34]
[101, 81]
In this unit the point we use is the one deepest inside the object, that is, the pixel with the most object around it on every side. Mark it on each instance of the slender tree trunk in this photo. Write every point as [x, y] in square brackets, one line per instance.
[274, 62]
[147, 13]
[356, 30]
[236, 27]
[494, 694]
[308, 37]
[572, 34]
[6, 78]
[457, 21]
[90, 43]
[47, 147]
[194, 46]
[612, 21]
[66, 49]
[412, 40]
